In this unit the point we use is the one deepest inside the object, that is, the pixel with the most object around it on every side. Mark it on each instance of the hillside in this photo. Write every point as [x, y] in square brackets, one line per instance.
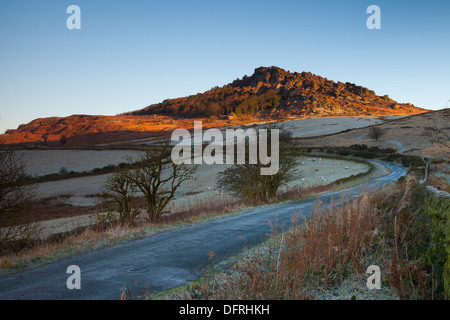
[409, 135]
[273, 90]
[270, 94]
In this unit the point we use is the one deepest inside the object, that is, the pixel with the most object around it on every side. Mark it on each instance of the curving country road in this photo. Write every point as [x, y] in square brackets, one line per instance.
[166, 260]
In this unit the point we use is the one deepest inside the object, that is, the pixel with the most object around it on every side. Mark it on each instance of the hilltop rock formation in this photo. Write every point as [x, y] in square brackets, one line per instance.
[274, 90]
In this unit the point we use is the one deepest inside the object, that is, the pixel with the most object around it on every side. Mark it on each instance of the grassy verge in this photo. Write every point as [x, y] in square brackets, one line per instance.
[403, 229]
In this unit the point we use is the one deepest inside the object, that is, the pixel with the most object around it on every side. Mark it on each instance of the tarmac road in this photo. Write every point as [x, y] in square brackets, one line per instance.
[166, 260]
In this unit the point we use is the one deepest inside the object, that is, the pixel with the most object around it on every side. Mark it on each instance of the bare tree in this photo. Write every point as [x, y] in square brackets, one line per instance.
[158, 178]
[155, 176]
[16, 199]
[440, 133]
[375, 133]
[246, 179]
[118, 193]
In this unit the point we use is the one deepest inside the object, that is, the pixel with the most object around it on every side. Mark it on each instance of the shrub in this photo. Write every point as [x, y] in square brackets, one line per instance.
[375, 133]
[63, 171]
[245, 180]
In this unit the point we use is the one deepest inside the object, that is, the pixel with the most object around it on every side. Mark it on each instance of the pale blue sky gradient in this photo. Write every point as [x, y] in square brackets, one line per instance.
[130, 54]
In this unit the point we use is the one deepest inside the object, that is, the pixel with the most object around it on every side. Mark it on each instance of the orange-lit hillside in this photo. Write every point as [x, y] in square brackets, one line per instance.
[271, 93]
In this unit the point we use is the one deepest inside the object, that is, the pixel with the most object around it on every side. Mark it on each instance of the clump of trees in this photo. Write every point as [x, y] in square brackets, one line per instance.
[154, 176]
[258, 103]
[245, 180]
[218, 101]
[16, 200]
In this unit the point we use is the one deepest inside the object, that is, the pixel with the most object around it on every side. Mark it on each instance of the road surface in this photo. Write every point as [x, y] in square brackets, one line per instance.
[166, 260]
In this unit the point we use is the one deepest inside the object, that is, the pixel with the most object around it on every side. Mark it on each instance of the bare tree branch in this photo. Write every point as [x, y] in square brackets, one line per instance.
[16, 199]
[155, 176]
[158, 178]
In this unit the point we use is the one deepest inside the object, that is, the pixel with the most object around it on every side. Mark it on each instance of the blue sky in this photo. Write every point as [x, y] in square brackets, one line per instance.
[129, 54]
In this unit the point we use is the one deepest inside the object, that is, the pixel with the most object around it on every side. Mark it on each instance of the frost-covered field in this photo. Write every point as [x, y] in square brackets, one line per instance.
[302, 128]
[311, 171]
[42, 162]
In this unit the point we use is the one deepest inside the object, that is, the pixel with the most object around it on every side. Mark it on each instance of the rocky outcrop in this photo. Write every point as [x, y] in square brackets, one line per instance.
[300, 94]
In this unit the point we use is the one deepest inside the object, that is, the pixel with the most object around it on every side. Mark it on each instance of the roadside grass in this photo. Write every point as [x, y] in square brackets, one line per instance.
[402, 228]
[104, 234]
[316, 252]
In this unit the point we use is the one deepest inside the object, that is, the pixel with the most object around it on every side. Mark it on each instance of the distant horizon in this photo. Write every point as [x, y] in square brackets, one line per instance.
[127, 56]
